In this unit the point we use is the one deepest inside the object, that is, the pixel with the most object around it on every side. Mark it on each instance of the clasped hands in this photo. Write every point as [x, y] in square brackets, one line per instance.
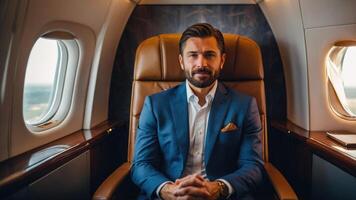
[191, 187]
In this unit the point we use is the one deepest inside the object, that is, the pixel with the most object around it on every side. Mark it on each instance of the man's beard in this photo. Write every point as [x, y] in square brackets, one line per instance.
[205, 82]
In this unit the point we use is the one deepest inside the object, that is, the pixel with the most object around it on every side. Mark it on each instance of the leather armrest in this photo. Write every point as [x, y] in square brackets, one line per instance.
[279, 183]
[108, 187]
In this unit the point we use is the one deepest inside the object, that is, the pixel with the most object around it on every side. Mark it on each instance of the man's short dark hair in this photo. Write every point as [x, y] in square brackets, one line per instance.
[202, 30]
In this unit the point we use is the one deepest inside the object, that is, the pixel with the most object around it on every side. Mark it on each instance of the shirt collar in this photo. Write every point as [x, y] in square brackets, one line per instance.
[209, 97]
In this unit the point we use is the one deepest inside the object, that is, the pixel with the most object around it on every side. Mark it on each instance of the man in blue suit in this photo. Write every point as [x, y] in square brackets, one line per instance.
[199, 140]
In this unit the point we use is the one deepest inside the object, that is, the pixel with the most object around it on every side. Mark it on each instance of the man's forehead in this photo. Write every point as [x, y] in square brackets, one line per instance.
[201, 44]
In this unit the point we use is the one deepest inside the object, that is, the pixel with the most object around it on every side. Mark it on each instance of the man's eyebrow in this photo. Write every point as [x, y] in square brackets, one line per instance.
[208, 51]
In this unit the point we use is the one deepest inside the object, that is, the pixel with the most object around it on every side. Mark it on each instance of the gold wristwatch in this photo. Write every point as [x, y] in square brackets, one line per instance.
[223, 190]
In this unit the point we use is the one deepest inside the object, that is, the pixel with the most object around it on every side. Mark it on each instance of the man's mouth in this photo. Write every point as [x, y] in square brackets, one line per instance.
[202, 72]
[202, 75]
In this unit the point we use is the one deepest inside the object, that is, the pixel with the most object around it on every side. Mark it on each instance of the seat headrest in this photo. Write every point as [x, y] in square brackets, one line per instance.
[157, 59]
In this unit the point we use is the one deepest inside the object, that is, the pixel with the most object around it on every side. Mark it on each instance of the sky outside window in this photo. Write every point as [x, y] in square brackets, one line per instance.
[39, 80]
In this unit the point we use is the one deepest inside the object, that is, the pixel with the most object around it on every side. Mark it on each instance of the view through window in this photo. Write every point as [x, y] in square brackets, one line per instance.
[40, 80]
[341, 68]
[348, 74]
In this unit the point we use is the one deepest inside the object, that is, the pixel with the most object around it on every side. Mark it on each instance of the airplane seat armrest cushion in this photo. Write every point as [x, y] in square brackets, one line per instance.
[109, 186]
[279, 183]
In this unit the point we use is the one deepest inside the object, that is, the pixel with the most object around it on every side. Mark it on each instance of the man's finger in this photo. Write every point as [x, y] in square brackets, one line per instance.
[184, 178]
[192, 191]
[191, 182]
[178, 181]
[189, 198]
[199, 177]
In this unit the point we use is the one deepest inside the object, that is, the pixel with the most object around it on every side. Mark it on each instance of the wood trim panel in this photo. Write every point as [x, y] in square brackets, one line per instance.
[292, 129]
[25, 168]
[333, 152]
[321, 145]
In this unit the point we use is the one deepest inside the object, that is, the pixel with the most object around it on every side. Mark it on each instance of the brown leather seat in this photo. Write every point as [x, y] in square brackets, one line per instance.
[157, 68]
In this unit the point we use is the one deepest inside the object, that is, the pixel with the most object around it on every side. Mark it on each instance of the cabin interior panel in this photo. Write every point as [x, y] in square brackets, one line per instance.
[321, 13]
[316, 167]
[319, 42]
[294, 161]
[75, 185]
[106, 155]
[53, 185]
[285, 19]
[330, 182]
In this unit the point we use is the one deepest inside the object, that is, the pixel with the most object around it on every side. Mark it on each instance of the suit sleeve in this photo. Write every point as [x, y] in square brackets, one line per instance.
[147, 156]
[248, 175]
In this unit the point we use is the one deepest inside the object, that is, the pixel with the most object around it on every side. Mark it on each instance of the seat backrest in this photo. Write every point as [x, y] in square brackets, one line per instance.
[157, 68]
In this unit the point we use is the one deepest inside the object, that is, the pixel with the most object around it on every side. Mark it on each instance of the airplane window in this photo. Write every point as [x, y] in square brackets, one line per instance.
[45, 80]
[341, 67]
[39, 80]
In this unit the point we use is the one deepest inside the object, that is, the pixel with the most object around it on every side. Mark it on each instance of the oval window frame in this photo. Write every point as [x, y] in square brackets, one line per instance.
[64, 81]
[336, 96]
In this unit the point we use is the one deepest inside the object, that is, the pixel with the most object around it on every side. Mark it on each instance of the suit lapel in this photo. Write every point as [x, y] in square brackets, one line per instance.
[179, 110]
[216, 118]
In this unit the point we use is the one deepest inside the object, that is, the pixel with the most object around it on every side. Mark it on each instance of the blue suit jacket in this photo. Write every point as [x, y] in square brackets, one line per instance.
[162, 141]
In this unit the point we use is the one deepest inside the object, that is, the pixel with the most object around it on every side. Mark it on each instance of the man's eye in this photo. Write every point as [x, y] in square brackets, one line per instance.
[209, 55]
[193, 55]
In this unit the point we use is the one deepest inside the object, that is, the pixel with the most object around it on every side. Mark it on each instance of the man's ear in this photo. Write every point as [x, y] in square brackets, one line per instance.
[181, 62]
[223, 58]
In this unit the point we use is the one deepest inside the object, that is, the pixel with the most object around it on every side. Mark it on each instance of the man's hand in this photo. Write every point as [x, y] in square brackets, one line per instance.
[187, 188]
[196, 187]
[191, 187]
[213, 189]
[194, 179]
[167, 191]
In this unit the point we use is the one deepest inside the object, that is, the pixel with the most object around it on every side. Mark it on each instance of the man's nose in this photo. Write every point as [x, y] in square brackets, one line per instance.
[202, 61]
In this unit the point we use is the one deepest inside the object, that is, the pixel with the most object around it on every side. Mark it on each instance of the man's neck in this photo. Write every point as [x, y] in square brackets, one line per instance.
[201, 92]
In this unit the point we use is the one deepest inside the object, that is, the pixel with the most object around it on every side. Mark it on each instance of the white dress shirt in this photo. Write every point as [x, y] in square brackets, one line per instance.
[198, 123]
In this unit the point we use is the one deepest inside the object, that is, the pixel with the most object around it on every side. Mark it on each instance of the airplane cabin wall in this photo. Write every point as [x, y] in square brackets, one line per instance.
[91, 22]
[97, 104]
[325, 22]
[9, 11]
[305, 31]
[285, 20]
